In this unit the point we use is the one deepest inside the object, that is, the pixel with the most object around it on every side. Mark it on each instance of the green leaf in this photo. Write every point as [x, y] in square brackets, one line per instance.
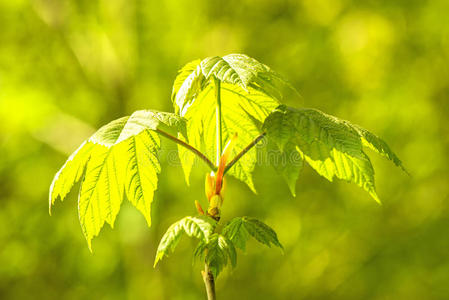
[375, 143]
[287, 162]
[234, 69]
[183, 74]
[331, 146]
[199, 251]
[101, 192]
[249, 92]
[261, 232]
[188, 84]
[198, 227]
[217, 252]
[70, 173]
[140, 153]
[236, 106]
[236, 232]
[121, 157]
[239, 229]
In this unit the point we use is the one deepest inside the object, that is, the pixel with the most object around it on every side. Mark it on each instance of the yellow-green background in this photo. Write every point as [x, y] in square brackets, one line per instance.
[68, 67]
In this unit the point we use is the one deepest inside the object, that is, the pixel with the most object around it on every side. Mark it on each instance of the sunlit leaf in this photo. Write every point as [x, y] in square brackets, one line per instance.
[287, 162]
[249, 91]
[120, 158]
[188, 84]
[333, 147]
[70, 173]
[236, 107]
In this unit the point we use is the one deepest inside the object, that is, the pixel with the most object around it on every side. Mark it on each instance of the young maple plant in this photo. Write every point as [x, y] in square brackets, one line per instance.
[232, 99]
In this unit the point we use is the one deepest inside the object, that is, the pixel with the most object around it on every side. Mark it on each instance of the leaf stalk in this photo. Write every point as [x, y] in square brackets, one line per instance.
[188, 147]
[208, 277]
[218, 119]
[243, 152]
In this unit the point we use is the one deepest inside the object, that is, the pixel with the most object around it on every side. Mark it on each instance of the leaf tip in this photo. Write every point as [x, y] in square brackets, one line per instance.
[89, 245]
[406, 171]
[50, 204]
[279, 245]
[292, 188]
[156, 260]
[51, 197]
[251, 186]
[147, 216]
[376, 198]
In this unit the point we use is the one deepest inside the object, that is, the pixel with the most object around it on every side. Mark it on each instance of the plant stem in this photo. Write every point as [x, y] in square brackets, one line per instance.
[209, 282]
[243, 152]
[188, 147]
[208, 277]
[218, 120]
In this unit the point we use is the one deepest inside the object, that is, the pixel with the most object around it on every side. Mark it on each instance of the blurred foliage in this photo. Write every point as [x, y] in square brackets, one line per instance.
[67, 67]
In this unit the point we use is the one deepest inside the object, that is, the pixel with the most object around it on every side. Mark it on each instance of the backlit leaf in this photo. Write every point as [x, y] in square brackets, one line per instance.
[331, 146]
[249, 91]
[120, 158]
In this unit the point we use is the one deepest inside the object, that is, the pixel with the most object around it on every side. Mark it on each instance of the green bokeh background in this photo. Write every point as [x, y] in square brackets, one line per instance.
[68, 67]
